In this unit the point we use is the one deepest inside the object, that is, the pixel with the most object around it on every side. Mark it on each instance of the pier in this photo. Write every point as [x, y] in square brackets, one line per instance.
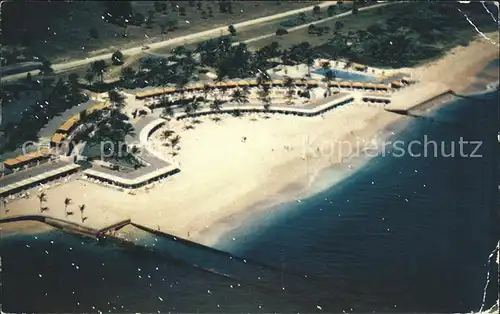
[414, 99]
[68, 226]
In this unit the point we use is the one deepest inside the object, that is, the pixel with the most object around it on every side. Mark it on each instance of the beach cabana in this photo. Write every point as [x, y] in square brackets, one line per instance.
[26, 159]
[98, 107]
[359, 67]
[197, 86]
[357, 85]
[145, 94]
[300, 82]
[57, 139]
[242, 83]
[370, 86]
[345, 84]
[381, 87]
[406, 80]
[69, 125]
[169, 90]
[140, 95]
[187, 88]
[231, 84]
[220, 85]
[279, 83]
[396, 84]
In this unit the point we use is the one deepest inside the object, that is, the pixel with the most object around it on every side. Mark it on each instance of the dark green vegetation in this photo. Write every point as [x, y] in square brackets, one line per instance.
[418, 31]
[108, 126]
[394, 36]
[54, 98]
[60, 29]
[412, 33]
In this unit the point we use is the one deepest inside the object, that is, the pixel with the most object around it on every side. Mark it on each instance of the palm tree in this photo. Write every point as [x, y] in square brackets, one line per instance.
[329, 76]
[289, 92]
[174, 141]
[215, 106]
[206, 90]
[42, 197]
[116, 99]
[264, 97]
[310, 63]
[181, 83]
[89, 77]
[4, 203]
[46, 70]
[239, 96]
[263, 78]
[98, 68]
[82, 208]
[195, 106]
[127, 74]
[67, 201]
[163, 31]
[168, 113]
[165, 135]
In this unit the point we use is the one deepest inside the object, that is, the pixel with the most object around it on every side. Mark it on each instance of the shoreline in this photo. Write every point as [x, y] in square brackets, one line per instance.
[226, 182]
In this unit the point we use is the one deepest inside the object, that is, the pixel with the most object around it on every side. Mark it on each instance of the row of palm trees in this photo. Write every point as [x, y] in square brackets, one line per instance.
[171, 139]
[239, 95]
[55, 98]
[42, 198]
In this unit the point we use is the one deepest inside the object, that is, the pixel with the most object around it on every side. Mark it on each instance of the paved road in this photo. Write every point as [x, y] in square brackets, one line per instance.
[191, 38]
[296, 28]
[138, 126]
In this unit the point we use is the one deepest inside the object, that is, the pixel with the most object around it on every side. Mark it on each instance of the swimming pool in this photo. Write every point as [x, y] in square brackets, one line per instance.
[348, 75]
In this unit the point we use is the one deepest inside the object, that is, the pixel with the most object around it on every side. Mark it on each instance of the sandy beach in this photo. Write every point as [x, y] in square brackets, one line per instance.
[223, 177]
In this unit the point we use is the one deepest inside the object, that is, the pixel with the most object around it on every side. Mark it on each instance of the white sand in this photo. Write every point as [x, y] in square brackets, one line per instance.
[221, 177]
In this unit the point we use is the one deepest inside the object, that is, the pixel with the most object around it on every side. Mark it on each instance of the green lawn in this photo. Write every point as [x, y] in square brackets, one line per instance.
[397, 35]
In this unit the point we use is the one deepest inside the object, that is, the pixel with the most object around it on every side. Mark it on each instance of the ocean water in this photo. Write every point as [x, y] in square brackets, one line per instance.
[401, 234]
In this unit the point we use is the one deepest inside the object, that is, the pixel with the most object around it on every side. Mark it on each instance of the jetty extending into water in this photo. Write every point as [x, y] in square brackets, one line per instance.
[419, 97]
[68, 226]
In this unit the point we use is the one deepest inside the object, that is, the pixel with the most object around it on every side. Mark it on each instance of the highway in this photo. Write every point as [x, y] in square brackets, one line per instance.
[187, 39]
[296, 28]
[197, 37]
